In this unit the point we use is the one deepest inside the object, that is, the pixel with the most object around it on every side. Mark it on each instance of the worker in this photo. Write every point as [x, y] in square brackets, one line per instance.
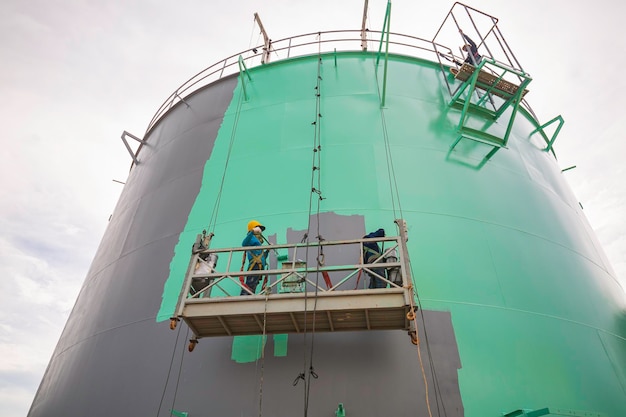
[371, 252]
[473, 57]
[256, 258]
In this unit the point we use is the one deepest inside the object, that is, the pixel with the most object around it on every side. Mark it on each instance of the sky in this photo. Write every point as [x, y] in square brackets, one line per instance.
[76, 73]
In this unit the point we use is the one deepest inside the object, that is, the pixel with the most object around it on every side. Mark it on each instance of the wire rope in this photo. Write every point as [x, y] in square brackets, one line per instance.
[216, 206]
[315, 190]
[180, 369]
[263, 344]
[393, 187]
[250, 46]
[391, 175]
[433, 371]
[169, 371]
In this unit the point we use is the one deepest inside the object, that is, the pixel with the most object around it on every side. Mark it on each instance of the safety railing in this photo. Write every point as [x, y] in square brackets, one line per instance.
[300, 45]
[331, 42]
[310, 285]
[206, 279]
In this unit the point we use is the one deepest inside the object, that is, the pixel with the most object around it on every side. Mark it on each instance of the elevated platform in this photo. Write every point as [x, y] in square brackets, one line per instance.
[486, 81]
[291, 298]
[372, 309]
[483, 96]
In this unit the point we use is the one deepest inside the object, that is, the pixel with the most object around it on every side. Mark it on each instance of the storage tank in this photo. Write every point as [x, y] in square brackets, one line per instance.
[516, 309]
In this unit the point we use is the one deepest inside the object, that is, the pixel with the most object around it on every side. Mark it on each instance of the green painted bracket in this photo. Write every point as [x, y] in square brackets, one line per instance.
[243, 70]
[179, 413]
[470, 85]
[551, 412]
[341, 411]
[541, 128]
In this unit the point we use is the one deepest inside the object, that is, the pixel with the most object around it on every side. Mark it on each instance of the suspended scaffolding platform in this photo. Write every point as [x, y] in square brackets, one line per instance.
[294, 297]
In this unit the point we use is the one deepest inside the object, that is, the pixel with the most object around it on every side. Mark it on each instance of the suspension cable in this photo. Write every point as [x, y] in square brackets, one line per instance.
[315, 191]
[180, 369]
[169, 371]
[391, 175]
[433, 371]
[233, 134]
[393, 183]
[393, 188]
[263, 345]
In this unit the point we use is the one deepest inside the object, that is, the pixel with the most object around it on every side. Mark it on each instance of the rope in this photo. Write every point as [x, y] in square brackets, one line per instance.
[267, 294]
[250, 46]
[393, 188]
[213, 219]
[417, 343]
[391, 174]
[315, 190]
[430, 358]
[419, 355]
[393, 185]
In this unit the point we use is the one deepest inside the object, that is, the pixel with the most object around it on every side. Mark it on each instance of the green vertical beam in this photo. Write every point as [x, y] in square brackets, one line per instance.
[382, 34]
[385, 31]
[516, 101]
[472, 86]
[243, 70]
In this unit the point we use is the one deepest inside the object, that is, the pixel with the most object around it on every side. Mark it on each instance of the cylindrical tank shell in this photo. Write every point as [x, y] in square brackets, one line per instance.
[519, 307]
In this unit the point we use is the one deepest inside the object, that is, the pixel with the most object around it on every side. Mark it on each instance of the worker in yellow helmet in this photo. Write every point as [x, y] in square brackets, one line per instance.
[256, 258]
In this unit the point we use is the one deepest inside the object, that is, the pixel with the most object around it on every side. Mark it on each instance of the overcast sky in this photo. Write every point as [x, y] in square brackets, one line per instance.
[76, 73]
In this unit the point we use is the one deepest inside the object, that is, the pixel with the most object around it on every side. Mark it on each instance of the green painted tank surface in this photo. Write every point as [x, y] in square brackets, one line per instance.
[520, 312]
[503, 246]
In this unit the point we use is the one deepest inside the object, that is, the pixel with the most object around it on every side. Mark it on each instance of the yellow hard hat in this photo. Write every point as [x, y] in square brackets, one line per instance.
[253, 223]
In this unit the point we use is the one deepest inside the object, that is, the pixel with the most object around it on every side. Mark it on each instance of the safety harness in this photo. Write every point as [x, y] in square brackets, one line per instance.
[255, 264]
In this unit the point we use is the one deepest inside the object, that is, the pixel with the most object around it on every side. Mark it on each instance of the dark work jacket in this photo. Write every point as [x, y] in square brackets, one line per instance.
[373, 246]
[473, 52]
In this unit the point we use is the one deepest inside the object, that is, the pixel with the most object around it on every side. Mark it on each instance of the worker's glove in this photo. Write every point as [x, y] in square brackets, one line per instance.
[257, 230]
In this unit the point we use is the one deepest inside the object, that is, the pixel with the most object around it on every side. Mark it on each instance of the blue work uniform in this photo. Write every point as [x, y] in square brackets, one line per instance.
[256, 261]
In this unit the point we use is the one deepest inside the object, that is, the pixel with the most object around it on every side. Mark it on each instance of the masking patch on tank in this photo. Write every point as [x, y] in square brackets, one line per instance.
[280, 345]
[248, 348]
